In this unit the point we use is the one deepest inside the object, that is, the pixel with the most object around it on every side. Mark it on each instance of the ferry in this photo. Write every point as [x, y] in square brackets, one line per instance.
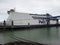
[25, 20]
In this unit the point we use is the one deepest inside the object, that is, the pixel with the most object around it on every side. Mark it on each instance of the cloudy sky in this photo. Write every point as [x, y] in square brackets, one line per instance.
[29, 6]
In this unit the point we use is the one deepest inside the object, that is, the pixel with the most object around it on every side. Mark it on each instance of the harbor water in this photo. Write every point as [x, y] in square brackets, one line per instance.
[49, 35]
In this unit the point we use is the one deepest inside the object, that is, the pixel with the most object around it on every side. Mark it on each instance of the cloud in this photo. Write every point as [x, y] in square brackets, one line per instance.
[31, 6]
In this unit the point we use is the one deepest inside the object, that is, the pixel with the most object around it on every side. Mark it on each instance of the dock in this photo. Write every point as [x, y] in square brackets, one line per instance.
[12, 26]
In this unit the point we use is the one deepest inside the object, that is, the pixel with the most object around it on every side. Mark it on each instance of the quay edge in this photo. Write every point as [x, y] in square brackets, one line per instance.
[28, 26]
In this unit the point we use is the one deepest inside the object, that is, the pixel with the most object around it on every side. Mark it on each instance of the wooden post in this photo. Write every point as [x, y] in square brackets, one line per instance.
[4, 23]
[28, 24]
[12, 23]
[4, 27]
[57, 21]
[48, 21]
[43, 21]
[39, 21]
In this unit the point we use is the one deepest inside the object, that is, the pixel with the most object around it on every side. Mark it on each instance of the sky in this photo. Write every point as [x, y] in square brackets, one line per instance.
[29, 6]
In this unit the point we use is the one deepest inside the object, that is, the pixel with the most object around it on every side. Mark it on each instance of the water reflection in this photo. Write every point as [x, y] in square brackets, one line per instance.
[48, 32]
[49, 35]
[57, 32]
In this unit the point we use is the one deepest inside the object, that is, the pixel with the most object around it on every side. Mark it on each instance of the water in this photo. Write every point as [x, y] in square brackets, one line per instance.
[50, 35]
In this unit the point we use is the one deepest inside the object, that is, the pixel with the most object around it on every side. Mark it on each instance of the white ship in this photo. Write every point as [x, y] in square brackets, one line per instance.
[27, 18]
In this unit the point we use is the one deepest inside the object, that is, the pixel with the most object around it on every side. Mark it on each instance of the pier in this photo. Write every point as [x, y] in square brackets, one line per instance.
[4, 26]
